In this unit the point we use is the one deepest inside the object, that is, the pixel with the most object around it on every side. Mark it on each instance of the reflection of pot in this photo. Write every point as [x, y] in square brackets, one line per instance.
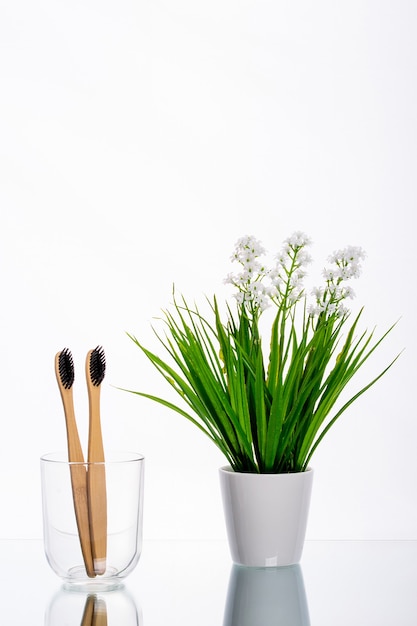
[267, 596]
[75, 608]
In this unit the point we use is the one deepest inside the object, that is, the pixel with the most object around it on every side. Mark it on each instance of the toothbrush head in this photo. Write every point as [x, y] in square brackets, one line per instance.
[97, 366]
[66, 368]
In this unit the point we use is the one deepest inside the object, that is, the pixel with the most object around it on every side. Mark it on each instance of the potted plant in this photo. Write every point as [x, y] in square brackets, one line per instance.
[267, 411]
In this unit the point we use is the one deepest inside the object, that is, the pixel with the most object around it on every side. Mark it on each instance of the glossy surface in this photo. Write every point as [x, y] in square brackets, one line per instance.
[368, 583]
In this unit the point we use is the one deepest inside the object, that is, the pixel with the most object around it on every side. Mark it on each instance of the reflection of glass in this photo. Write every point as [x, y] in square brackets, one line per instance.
[271, 596]
[75, 608]
[124, 487]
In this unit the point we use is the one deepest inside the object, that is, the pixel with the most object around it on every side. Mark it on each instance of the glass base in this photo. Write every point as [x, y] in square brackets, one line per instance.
[78, 581]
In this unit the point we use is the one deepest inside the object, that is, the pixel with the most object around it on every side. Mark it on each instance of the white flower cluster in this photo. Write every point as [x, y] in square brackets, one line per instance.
[247, 252]
[288, 274]
[285, 281]
[346, 265]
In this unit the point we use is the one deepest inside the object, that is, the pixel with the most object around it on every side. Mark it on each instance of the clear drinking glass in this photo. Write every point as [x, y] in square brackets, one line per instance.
[123, 477]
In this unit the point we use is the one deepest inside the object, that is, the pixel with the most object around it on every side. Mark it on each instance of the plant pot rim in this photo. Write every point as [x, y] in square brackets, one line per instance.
[227, 469]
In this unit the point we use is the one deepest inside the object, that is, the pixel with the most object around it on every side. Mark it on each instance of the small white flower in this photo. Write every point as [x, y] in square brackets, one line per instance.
[348, 292]
[286, 247]
[229, 280]
[317, 292]
[304, 258]
[342, 310]
[263, 301]
[242, 280]
[355, 270]
[343, 273]
[295, 295]
[274, 274]
[315, 310]
[300, 273]
[345, 256]
[298, 239]
[248, 248]
[354, 254]
[335, 292]
[335, 256]
[329, 274]
[272, 291]
[239, 296]
[294, 280]
[251, 267]
[255, 288]
[278, 283]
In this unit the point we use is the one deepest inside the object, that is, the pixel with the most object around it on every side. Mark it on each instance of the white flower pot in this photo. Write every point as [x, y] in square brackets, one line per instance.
[266, 516]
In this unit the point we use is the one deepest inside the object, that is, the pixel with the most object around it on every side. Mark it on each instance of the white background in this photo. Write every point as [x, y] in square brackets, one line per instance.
[138, 141]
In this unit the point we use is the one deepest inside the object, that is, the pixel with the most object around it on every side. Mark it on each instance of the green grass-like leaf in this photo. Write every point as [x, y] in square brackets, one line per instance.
[263, 419]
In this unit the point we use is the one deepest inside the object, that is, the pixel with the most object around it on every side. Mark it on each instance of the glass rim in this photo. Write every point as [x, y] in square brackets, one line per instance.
[115, 457]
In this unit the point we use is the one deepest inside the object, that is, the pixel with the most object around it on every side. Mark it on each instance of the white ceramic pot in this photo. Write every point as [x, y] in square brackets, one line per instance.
[266, 516]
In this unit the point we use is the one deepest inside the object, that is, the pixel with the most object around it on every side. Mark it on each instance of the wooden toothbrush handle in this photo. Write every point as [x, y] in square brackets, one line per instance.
[96, 480]
[78, 482]
[97, 505]
[79, 493]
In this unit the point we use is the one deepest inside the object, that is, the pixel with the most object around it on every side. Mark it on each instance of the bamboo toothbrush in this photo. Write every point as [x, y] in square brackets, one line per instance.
[64, 370]
[97, 496]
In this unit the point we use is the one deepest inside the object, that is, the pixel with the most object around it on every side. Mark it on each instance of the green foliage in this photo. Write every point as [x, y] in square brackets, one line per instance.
[266, 421]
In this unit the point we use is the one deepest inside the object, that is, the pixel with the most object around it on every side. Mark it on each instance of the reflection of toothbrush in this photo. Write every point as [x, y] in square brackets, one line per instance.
[95, 611]
[99, 613]
[64, 370]
[87, 618]
[97, 499]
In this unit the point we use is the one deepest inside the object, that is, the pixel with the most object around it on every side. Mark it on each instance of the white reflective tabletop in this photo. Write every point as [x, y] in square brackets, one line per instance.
[338, 583]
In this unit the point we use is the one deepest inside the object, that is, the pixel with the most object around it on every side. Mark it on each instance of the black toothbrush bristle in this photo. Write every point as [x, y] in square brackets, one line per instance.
[66, 368]
[97, 366]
